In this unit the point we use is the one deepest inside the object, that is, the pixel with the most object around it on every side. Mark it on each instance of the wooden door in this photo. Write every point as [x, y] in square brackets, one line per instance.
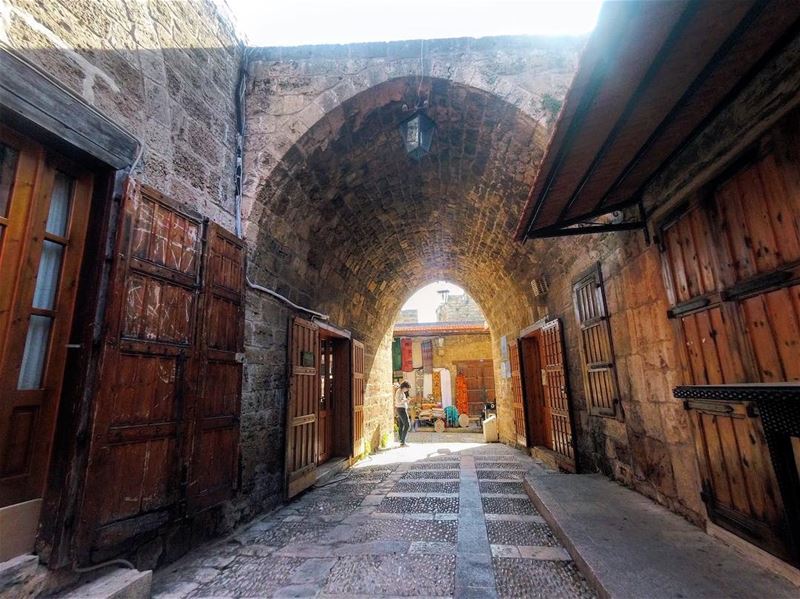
[479, 377]
[537, 411]
[214, 405]
[556, 394]
[134, 479]
[301, 418]
[516, 393]
[735, 460]
[731, 265]
[44, 210]
[357, 388]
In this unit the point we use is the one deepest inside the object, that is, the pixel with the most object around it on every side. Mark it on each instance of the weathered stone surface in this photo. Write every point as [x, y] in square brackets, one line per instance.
[368, 556]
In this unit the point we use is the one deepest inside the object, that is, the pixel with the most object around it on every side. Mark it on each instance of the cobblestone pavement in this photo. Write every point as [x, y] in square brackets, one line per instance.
[442, 518]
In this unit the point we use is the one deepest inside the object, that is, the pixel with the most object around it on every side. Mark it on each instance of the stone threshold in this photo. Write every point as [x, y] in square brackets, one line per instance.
[501, 480]
[628, 546]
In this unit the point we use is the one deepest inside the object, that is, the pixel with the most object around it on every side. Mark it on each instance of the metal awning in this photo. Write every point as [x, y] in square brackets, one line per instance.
[651, 75]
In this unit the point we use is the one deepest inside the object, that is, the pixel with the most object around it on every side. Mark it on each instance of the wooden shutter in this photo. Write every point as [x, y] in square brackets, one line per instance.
[134, 476]
[215, 411]
[516, 393]
[556, 395]
[599, 375]
[357, 389]
[301, 418]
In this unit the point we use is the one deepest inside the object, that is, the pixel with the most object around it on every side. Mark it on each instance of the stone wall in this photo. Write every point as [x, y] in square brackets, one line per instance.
[648, 447]
[165, 70]
[459, 308]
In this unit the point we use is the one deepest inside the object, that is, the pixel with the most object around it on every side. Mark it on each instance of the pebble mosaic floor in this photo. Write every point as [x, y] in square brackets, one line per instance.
[447, 518]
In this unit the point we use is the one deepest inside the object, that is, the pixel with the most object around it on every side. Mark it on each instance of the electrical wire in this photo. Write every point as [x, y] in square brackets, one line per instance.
[286, 300]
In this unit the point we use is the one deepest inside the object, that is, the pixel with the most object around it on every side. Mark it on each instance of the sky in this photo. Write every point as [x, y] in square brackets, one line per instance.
[301, 22]
[427, 299]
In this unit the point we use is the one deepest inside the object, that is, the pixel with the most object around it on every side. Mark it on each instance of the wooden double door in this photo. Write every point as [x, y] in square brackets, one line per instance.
[479, 377]
[325, 413]
[731, 265]
[540, 397]
[165, 427]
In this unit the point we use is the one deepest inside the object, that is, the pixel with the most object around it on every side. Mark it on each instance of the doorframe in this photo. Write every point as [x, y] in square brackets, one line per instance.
[341, 401]
[532, 331]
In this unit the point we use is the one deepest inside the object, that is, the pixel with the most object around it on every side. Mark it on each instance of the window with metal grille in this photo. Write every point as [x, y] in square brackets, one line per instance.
[597, 352]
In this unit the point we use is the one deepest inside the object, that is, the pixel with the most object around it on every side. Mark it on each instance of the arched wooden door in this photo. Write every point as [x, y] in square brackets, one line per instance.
[301, 416]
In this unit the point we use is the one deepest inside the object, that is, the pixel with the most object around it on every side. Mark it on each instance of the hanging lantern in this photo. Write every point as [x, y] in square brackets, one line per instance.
[417, 132]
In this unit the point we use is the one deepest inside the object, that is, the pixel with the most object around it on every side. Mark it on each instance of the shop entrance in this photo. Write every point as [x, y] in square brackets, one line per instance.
[326, 400]
[334, 396]
[546, 420]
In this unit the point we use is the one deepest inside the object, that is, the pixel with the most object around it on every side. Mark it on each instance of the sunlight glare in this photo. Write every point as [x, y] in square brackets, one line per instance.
[302, 22]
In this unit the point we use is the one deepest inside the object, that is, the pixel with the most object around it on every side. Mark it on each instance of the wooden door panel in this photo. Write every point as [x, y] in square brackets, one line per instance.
[516, 394]
[301, 446]
[134, 479]
[357, 389]
[708, 347]
[556, 396]
[213, 408]
[479, 377]
[772, 322]
[736, 469]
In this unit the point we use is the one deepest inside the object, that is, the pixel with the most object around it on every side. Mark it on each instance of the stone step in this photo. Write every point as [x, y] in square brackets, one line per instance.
[119, 583]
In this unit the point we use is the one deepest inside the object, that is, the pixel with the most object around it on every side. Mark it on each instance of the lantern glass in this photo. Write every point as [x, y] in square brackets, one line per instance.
[417, 133]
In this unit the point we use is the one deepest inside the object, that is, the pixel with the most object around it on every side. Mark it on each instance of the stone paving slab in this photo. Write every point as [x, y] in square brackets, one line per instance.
[515, 487]
[628, 546]
[410, 522]
[541, 579]
[393, 575]
[505, 504]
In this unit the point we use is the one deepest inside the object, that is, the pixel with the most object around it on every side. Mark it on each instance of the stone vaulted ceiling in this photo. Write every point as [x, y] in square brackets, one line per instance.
[352, 225]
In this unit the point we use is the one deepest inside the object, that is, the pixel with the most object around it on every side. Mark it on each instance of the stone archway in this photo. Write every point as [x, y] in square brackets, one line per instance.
[348, 224]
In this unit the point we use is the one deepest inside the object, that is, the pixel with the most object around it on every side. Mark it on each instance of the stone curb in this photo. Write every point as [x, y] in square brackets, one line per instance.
[582, 565]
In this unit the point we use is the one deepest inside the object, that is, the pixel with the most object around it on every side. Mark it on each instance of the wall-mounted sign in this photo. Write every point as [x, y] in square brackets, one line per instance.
[307, 359]
[504, 348]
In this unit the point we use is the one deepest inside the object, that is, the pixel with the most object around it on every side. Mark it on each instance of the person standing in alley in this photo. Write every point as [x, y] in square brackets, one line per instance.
[401, 409]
